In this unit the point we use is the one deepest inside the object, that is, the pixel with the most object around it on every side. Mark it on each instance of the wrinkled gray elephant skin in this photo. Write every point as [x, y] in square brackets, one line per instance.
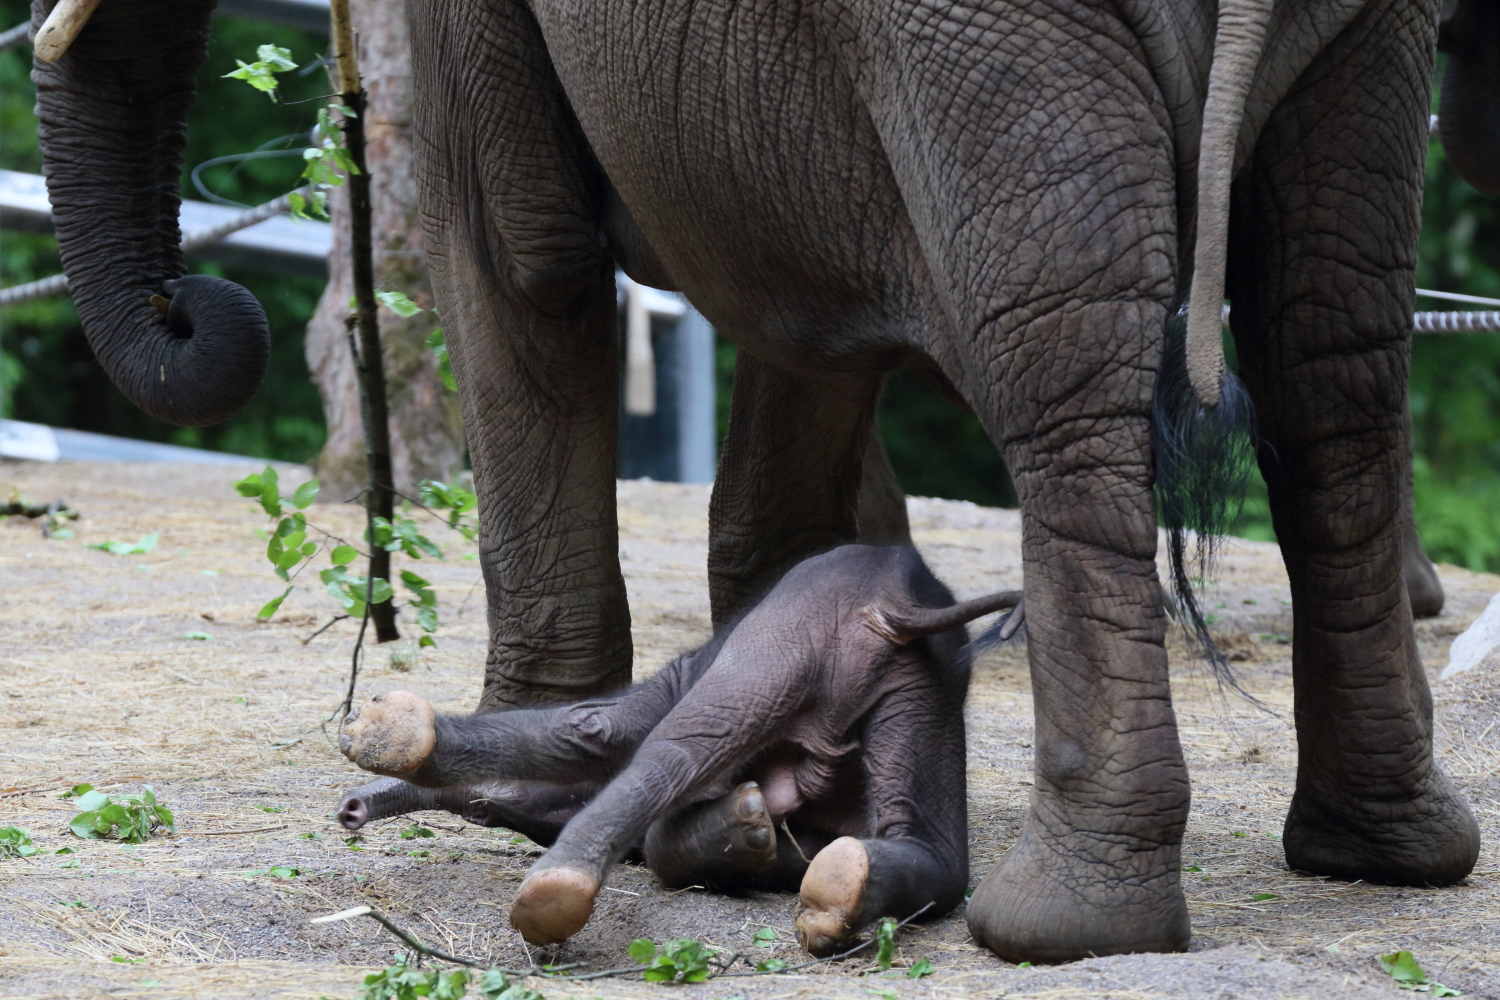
[815, 744]
[1003, 193]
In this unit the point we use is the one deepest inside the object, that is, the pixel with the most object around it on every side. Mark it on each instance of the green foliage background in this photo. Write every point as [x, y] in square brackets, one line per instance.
[50, 376]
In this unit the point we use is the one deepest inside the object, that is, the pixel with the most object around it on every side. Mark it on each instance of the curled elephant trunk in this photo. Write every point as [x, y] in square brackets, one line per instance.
[1469, 107]
[112, 108]
[1238, 43]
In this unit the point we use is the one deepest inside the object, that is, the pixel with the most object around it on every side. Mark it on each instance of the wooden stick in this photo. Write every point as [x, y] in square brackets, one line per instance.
[369, 360]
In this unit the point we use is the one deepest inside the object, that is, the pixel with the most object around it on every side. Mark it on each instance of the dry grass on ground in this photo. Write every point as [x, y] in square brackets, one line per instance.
[98, 683]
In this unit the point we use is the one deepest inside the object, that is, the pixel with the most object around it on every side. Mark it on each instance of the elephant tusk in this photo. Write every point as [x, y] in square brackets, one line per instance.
[61, 27]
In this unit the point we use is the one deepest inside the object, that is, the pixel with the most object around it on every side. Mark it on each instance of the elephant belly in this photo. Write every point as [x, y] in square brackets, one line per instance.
[746, 157]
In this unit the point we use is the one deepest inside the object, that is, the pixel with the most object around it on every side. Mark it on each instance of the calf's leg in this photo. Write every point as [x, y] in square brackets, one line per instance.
[711, 733]
[917, 853]
[397, 734]
[715, 844]
[532, 808]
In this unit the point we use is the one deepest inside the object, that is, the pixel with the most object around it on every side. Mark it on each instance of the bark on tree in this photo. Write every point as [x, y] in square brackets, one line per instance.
[425, 421]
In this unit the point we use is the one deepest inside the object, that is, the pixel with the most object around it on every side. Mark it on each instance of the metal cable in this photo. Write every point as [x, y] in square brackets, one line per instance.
[12, 37]
[58, 283]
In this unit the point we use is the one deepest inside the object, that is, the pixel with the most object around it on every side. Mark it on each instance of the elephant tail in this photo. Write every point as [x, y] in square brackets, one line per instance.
[1202, 419]
[1238, 42]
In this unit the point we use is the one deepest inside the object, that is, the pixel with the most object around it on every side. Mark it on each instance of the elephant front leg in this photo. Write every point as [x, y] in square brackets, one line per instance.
[1321, 268]
[510, 201]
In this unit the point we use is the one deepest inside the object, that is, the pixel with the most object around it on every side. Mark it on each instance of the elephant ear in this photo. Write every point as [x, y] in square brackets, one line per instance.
[1469, 105]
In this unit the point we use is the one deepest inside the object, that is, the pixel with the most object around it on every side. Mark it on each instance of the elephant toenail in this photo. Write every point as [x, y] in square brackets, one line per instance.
[758, 838]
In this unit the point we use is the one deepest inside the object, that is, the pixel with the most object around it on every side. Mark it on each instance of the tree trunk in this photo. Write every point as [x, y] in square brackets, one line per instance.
[425, 422]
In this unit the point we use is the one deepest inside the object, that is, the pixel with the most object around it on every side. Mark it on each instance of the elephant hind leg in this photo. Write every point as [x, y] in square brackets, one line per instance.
[1324, 249]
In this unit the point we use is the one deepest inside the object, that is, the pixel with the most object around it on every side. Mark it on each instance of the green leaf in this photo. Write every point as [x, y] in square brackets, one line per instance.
[770, 965]
[76, 791]
[204, 636]
[642, 950]
[765, 938]
[273, 605]
[1261, 897]
[276, 56]
[439, 345]
[91, 800]
[1402, 966]
[1241, 833]
[1192, 868]
[427, 642]
[398, 303]
[143, 545]
[921, 967]
[381, 592]
[415, 831]
[343, 555]
[270, 492]
[305, 494]
[261, 74]
[83, 825]
[885, 942]
[660, 974]
[282, 871]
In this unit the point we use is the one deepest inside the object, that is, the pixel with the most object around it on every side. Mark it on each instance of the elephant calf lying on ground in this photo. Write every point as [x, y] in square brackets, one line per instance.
[825, 724]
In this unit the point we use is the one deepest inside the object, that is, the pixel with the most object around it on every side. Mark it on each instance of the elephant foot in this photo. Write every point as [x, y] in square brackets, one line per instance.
[393, 734]
[1430, 838]
[828, 907]
[729, 836]
[553, 905]
[1046, 903]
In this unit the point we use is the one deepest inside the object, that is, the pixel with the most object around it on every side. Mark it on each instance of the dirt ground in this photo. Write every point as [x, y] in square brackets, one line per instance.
[99, 683]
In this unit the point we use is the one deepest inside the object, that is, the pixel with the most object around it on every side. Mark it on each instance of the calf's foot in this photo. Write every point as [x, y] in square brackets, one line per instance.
[393, 734]
[1428, 837]
[829, 904]
[713, 841]
[553, 905]
[1052, 900]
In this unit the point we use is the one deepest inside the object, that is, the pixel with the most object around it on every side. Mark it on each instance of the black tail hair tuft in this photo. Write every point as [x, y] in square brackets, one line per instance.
[1203, 460]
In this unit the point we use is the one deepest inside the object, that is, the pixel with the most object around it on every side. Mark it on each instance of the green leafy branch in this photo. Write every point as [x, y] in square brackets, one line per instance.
[327, 162]
[289, 549]
[133, 818]
[16, 843]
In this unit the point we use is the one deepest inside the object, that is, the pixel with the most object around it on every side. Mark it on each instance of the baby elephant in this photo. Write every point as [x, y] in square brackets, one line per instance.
[818, 741]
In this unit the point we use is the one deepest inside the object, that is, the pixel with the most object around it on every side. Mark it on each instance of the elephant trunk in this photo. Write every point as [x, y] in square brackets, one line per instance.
[1469, 107]
[190, 350]
[1237, 47]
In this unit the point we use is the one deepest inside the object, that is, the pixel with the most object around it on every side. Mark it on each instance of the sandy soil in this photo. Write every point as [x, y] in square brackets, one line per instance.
[98, 683]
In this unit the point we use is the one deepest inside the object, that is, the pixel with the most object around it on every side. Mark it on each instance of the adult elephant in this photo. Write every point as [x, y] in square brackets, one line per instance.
[1010, 193]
